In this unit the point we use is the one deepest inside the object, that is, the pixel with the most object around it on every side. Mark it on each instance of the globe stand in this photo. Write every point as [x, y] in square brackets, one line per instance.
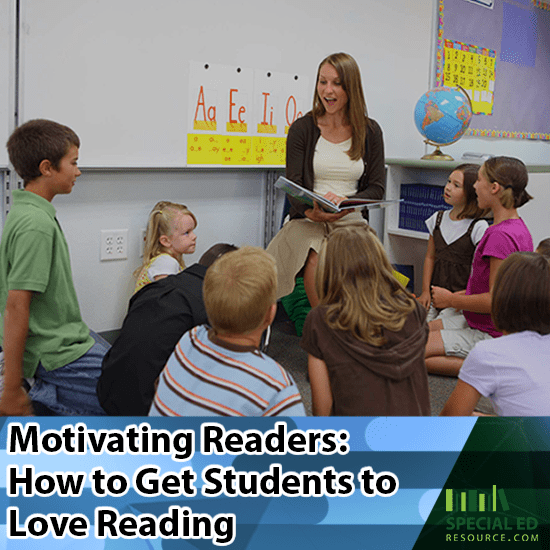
[437, 154]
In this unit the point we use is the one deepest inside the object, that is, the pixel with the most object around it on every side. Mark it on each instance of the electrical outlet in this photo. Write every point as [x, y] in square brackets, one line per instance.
[114, 244]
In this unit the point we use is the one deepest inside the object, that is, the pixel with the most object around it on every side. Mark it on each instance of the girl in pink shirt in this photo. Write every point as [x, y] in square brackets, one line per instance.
[500, 186]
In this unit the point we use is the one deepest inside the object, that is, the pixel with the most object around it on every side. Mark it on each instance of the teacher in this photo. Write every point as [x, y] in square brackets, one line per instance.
[337, 151]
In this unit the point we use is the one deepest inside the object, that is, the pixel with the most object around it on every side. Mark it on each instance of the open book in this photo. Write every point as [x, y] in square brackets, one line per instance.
[308, 197]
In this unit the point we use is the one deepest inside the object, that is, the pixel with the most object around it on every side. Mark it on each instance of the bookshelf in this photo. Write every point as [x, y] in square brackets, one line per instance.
[405, 246]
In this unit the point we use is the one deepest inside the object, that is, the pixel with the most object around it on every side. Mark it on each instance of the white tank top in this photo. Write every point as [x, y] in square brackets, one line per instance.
[333, 169]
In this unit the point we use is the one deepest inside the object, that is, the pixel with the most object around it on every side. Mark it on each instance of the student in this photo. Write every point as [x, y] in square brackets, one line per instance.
[158, 315]
[43, 333]
[220, 371]
[500, 187]
[513, 370]
[366, 339]
[170, 234]
[544, 248]
[454, 235]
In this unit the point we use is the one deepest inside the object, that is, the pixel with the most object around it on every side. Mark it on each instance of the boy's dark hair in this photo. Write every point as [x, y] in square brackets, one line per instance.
[39, 140]
[544, 248]
[214, 252]
[521, 294]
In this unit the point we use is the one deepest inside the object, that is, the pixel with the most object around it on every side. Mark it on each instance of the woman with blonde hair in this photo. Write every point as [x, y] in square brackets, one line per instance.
[337, 151]
[365, 340]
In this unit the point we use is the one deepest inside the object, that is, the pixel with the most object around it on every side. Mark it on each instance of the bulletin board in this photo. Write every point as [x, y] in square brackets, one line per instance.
[505, 47]
[119, 71]
[5, 81]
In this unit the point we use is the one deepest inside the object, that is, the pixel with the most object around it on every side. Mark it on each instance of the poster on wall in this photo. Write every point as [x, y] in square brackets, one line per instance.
[473, 69]
[513, 36]
[240, 116]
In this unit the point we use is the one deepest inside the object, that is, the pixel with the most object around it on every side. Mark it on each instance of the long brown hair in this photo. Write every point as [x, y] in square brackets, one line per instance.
[470, 209]
[354, 281]
[356, 108]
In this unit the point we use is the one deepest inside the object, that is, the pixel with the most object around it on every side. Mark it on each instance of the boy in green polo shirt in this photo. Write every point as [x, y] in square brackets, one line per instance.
[42, 332]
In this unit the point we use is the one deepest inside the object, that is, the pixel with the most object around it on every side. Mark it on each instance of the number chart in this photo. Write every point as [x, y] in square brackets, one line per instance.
[472, 68]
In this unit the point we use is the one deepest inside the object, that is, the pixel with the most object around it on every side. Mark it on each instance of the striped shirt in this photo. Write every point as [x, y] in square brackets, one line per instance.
[207, 377]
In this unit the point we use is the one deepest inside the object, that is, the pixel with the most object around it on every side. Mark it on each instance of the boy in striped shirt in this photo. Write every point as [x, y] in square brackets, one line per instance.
[219, 369]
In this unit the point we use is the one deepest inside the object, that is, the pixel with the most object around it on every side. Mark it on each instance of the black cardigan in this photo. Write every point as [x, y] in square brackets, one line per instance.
[300, 148]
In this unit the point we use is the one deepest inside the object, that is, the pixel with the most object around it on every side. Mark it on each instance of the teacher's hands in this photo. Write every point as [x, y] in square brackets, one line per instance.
[317, 214]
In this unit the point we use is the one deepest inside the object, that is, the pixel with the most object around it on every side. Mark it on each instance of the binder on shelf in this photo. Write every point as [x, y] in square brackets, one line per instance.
[419, 202]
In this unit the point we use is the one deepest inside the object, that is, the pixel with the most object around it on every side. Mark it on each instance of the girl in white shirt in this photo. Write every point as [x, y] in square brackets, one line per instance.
[454, 235]
[170, 234]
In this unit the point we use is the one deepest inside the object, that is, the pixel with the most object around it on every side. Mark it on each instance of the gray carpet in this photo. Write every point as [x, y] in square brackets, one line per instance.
[285, 348]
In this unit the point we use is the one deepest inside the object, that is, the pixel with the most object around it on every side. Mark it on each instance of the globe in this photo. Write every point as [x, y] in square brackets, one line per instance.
[442, 115]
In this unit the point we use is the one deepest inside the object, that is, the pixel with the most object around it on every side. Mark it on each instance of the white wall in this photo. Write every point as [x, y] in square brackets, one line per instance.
[395, 63]
[229, 206]
[117, 71]
[535, 212]
[529, 151]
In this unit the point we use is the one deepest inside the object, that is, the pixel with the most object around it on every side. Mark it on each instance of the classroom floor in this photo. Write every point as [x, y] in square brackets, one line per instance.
[284, 347]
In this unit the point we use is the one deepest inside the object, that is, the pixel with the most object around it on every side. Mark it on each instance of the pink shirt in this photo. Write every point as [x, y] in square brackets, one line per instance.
[499, 241]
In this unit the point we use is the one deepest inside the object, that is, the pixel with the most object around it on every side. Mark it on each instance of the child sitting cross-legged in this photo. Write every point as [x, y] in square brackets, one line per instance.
[500, 187]
[365, 340]
[512, 371]
[219, 370]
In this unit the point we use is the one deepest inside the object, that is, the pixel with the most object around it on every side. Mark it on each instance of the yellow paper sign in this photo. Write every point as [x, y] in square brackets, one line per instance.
[473, 69]
[217, 149]
[212, 149]
[270, 151]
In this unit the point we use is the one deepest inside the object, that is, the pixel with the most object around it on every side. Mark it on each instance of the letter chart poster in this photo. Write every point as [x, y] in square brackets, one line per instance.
[304, 483]
[240, 116]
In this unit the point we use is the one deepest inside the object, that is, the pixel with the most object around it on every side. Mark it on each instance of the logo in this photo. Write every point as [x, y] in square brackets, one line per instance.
[475, 501]
[486, 516]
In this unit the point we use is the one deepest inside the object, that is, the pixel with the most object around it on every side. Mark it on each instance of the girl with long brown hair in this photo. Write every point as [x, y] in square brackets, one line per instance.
[365, 340]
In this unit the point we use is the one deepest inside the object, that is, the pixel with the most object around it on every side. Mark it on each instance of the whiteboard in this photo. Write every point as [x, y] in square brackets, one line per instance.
[6, 82]
[117, 71]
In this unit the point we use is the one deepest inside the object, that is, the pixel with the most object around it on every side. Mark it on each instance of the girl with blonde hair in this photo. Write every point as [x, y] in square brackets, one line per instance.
[365, 340]
[170, 234]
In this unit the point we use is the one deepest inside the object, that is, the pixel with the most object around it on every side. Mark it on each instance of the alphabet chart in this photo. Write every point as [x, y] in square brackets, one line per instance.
[240, 116]
[473, 69]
